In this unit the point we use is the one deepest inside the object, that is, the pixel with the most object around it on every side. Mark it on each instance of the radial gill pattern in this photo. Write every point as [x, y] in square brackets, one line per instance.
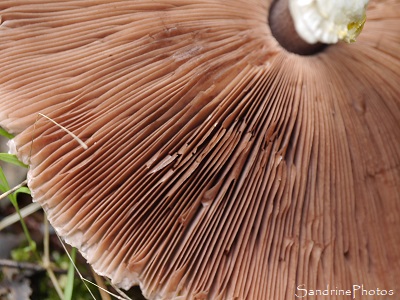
[219, 165]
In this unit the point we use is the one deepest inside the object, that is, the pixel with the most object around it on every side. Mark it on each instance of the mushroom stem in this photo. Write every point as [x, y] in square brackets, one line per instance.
[303, 27]
[283, 29]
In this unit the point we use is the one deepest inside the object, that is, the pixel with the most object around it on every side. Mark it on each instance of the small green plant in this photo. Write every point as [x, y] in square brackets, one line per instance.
[5, 187]
[28, 251]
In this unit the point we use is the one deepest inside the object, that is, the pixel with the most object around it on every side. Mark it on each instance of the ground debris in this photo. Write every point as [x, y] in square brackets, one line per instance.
[15, 285]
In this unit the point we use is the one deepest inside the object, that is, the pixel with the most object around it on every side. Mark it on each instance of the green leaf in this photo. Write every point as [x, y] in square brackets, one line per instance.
[12, 159]
[22, 254]
[4, 187]
[24, 190]
[6, 134]
[70, 277]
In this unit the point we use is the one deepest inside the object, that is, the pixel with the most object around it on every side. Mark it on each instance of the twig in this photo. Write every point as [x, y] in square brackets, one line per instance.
[53, 279]
[100, 282]
[46, 259]
[2, 196]
[26, 266]
[21, 265]
[15, 217]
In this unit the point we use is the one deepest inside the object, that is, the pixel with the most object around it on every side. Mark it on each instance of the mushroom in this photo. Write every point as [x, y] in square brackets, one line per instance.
[219, 165]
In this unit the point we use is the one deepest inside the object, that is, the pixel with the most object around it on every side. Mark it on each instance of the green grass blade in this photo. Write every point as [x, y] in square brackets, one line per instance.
[12, 159]
[70, 277]
[4, 183]
[6, 134]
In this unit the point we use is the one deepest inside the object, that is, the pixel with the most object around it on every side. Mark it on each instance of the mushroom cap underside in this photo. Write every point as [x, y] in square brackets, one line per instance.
[219, 165]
